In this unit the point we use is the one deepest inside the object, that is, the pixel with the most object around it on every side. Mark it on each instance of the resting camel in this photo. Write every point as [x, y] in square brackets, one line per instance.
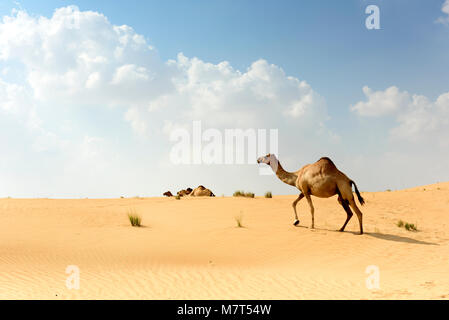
[184, 192]
[168, 194]
[201, 191]
[321, 179]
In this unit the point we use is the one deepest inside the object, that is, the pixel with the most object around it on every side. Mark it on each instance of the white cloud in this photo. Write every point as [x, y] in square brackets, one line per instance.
[381, 102]
[93, 80]
[81, 58]
[445, 10]
[136, 118]
[418, 118]
[13, 97]
[223, 96]
[16, 100]
[130, 74]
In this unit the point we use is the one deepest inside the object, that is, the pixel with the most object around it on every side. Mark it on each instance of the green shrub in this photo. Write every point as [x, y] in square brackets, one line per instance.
[134, 218]
[407, 226]
[410, 227]
[241, 193]
[239, 221]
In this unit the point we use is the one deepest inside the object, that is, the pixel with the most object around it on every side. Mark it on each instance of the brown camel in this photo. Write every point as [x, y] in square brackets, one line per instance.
[321, 179]
[201, 191]
[184, 192]
[168, 194]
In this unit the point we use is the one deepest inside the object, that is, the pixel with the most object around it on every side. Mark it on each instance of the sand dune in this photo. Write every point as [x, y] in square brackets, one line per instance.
[192, 249]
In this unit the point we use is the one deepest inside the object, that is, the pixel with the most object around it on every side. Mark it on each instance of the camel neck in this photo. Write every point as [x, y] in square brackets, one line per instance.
[284, 176]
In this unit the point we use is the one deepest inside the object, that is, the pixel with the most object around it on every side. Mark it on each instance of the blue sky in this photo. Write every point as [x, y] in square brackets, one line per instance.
[324, 43]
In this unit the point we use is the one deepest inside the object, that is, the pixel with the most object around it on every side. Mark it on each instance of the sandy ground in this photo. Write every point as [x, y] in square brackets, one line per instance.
[192, 249]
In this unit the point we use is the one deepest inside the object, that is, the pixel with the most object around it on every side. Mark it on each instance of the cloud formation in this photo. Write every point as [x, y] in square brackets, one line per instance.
[79, 57]
[418, 118]
[445, 10]
[380, 103]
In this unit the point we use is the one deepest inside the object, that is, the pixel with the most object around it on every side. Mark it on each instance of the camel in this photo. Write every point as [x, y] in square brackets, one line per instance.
[184, 192]
[321, 179]
[201, 191]
[168, 194]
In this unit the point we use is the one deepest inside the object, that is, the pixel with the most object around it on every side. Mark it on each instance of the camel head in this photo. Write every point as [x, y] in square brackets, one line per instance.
[271, 160]
[268, 159]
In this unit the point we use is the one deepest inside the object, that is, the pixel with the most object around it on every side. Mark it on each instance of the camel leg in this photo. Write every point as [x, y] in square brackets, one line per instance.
[294, 208]
[312, 209]
[358, 212]
[345, 206]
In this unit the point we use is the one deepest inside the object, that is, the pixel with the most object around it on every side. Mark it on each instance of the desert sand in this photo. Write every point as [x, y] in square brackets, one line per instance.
[192, 249]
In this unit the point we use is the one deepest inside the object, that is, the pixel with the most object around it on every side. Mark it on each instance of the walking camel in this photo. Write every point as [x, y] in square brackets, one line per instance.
[321, 179]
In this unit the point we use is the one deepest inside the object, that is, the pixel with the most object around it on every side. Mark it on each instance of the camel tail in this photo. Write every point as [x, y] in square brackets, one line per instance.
[361, 200]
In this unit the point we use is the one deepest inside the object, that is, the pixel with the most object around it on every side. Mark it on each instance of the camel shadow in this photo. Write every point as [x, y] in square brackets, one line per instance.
[396, 238]
[383, 236]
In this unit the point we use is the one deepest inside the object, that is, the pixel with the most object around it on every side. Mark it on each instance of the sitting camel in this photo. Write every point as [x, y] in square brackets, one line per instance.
[168, 194]
[184, 192]
[201, 191]
[321, 179]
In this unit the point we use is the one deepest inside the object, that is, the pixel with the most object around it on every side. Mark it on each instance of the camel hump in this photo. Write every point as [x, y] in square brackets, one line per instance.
[327, 160]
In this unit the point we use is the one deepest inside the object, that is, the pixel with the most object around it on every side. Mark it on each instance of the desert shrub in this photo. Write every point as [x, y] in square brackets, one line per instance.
[134, 218]
[410, 227]
[239, 220]
[240, 193]
[268, 194]
[407, 226]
